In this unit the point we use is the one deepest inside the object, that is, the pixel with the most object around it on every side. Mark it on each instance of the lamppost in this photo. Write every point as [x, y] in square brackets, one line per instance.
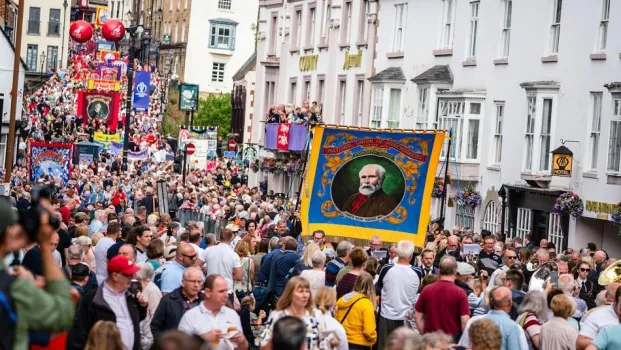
[42, 63]
[62, 48]
[133, 32]
[145, 46]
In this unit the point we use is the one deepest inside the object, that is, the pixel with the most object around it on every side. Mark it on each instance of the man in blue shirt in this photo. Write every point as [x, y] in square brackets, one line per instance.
[172, 273]
[281, 265]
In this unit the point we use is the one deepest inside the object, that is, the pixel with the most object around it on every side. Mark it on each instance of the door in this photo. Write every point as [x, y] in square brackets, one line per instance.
[540, 226]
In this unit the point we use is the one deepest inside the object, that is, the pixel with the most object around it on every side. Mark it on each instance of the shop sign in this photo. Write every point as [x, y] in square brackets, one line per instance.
[308, 63]
[562, 162]
[352, 61]
[602, 210]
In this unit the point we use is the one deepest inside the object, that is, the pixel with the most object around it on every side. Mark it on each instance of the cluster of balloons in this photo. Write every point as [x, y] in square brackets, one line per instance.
[82, 31]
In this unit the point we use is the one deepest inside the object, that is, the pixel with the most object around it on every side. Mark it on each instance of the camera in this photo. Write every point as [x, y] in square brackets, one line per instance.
[134, 287]
[30, 218]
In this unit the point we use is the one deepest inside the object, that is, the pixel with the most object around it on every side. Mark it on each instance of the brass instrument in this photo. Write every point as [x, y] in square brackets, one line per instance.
[612, 274]
[542, 275]
[533, 264]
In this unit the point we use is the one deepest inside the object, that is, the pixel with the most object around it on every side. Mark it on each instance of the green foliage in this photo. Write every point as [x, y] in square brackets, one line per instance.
[215, 110]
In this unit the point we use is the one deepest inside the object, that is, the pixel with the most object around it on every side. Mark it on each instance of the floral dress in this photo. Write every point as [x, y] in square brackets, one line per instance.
[315, 325]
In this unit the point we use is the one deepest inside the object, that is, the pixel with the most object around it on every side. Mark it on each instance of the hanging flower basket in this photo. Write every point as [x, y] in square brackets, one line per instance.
[468, 197]
[254, 165]
[438, 189]
[616, 217]
[569, 203]
[278, 166]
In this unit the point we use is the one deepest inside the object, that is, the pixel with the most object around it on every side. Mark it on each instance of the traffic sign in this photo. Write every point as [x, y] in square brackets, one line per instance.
[190, 149]
[232, 145]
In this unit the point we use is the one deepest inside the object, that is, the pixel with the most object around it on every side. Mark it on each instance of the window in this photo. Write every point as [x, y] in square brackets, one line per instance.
[401, 12]
[346, 24]
[394, 109]
[53, 26]
[451, 115]
[176, 32]
[464, 216]
[321, 90]
[34, 19]
[491, 217]
[325, 30]
[596, 123]
[529, 138]
[524, 222]
[183, 32]
[603, 26]
[362, 21]
[555, 29]
[273, 31]
[463, 118]
[293, 91]
[310, 27]
[506, 29]
[222, 36]
[178, 4]
[31, 57]
[546, 129]
[378, 101]
[170, 2]
[222, 4]
[3, 141]
[614, 148]
[497, 150]
[186, 4]
[359, 102]
[474, 28]
[422, 117]
[52, 57]
[472, 150]
[217, 72]
[448, 14]
[297, 34]
[342, 94]
[307, 88]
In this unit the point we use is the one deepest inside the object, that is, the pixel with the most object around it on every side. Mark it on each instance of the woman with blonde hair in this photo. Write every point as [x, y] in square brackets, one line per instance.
[104, 335]
[485, 335]
[356, 312]
[558, 333]
[81, 230]
[325, 299]
[296, 301]
[87, 246]
[306, 261]
[244, 287]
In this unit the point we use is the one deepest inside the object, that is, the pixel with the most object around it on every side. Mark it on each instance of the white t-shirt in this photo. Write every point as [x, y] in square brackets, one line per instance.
[597, 319]
[199, 321]
[221, 259]
[334, 325]
[101, 258]
[199, 251]
[399, 285]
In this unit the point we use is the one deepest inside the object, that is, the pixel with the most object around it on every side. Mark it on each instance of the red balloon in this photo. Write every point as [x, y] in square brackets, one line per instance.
[113, 30]
[81, 31]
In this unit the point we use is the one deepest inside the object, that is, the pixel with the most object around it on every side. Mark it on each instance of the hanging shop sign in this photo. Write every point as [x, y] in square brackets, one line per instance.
[562, 161]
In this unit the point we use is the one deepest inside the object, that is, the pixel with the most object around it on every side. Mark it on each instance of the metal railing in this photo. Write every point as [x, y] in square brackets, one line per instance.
[33, 27]
[211, 226]
[53, 28]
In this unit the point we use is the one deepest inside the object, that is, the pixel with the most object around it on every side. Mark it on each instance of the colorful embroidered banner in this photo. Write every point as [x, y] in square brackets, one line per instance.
[103, 106]
[361, 183]
[49, 161]
[109, 72]
[282, 143]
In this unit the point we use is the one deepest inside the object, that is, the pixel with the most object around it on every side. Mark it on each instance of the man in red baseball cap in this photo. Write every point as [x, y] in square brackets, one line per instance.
[112, 302]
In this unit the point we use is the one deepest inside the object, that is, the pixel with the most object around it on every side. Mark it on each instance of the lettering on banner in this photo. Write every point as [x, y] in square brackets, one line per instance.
[352, 61]
[308, 63]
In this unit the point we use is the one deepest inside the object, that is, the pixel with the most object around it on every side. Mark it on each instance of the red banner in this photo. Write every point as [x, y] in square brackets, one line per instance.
[102, 106]
[282, 139]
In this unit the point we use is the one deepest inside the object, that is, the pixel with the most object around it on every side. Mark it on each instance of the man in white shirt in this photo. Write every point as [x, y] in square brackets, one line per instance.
[398, 284]
[101, 251]
[222, 260]
[598, 318]
[211, 320]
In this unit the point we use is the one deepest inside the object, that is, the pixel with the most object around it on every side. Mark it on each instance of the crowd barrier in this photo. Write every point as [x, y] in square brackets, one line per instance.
[211, 226]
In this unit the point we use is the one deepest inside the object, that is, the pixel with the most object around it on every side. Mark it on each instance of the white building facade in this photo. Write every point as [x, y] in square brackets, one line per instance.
[45, 35]
[6, 94]
[221, 38]
[513, 80]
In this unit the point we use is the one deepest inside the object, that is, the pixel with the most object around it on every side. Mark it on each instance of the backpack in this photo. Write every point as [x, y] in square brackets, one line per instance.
[8, 317]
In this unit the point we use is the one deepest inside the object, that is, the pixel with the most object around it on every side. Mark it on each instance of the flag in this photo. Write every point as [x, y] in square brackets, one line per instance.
[142, 89]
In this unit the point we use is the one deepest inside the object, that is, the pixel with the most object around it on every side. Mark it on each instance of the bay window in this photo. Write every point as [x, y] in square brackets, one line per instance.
[463, 118]
[389, 95]
[614, 142]
[539, 128]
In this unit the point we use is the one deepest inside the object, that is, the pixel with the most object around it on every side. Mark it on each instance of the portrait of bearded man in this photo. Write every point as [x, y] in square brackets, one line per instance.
[371, 200]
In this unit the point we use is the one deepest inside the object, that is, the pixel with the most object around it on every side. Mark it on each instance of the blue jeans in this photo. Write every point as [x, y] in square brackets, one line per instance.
[260, 296]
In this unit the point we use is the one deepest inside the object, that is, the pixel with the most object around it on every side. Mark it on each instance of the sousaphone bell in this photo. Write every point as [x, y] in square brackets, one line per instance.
[612, 274]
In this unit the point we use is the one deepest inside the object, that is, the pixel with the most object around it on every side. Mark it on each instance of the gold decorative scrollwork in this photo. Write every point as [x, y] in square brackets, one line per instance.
[329, 210]
[398, 216]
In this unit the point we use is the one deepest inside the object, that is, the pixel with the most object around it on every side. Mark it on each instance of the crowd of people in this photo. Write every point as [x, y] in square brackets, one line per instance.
[96, 261]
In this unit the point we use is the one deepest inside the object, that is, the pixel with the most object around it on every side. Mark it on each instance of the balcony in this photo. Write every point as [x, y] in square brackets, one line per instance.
[295, 136]
[33, 27]
[53, 28]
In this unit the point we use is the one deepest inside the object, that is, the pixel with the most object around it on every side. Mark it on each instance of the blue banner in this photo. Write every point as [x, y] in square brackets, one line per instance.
[142, 89]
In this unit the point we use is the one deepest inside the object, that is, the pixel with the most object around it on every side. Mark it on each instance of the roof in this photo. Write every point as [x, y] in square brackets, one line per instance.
[223, 20]
[246, 67]
[437, 73]
[613, 85]
[389, 74]
[13, 48]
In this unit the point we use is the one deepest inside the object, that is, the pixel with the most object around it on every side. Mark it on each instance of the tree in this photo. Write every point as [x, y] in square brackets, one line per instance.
[215, 110]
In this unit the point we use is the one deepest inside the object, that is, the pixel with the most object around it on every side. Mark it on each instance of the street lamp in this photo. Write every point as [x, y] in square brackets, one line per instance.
[145, 46]
[133, 32]
[42, 62]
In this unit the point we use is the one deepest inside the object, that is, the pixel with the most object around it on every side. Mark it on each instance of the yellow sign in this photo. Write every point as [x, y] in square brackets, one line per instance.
[104, 139]
[600, 207]
[308, 63]
[561, 165]
[108, 85]
[352, 61]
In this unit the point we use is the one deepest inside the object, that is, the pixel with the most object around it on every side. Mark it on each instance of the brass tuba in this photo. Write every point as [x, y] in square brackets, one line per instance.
[533, 264]
[612, 274]
[542, 275]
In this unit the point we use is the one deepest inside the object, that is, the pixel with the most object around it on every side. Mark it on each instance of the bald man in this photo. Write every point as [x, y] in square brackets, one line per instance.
[500, 302]
[172, 275]
[598, 318]
[370, 200]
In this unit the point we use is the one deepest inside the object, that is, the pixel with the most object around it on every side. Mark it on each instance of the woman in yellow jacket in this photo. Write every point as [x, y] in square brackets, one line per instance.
[356, 312]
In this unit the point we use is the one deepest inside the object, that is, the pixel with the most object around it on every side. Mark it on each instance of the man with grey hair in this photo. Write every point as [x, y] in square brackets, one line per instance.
[75, 256]
[568, 285]
[342, 259]
[397, 285]
[370, 200]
